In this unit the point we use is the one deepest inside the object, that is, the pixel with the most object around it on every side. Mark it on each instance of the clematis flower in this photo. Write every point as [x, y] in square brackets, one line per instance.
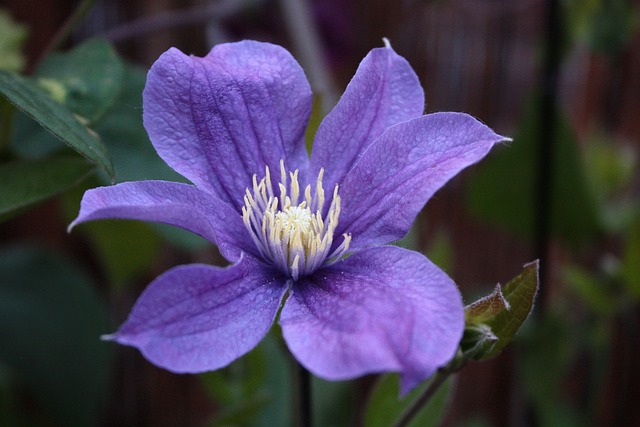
[310, 234]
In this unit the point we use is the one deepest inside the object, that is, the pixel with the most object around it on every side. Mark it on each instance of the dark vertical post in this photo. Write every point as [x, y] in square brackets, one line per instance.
[546, 136]
[302, 400]
[546, 143]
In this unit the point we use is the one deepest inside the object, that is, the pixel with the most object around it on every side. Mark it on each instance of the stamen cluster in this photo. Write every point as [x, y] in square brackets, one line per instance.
[289, 229]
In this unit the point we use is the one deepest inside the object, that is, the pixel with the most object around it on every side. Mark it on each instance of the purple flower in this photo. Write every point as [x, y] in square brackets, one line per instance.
[315, 229]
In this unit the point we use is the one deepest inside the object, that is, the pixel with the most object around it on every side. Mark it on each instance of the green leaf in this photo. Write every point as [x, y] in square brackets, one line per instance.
[254, 390]
[606, 25]
[240, 390]
[55, 118]
[493, 321]
[611, 165]
[333, 402]
[127, 249]
[594, 291]
[503, 191]
[89, 78]
[278, 382]
[12, 37]
[384, 406]
[240, 380]
[11, 413]
[26, 182]
[50, 323]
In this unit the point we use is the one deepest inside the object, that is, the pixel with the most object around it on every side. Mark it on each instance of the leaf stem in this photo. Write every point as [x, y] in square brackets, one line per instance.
[302, 399]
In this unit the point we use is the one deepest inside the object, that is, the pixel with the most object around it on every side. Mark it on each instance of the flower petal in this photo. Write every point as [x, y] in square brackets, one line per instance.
[384, 91]
[396, 176]
[220, 119]
[181, 205]
[198, 318]
[381, 309]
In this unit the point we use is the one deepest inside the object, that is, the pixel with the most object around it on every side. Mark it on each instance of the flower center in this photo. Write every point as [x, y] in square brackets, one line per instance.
[296, 218]
[290, 230]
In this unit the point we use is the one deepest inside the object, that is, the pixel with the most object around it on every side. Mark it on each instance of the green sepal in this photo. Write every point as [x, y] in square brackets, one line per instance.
[486, 308]
[476, 340]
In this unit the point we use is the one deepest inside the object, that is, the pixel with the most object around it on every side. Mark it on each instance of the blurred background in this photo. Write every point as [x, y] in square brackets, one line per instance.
[561, 78]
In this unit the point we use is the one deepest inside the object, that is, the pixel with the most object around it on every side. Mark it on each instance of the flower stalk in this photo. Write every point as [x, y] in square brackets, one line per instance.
[439, 378]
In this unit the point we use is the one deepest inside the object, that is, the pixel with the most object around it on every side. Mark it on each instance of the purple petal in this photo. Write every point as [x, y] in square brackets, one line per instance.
[401, 170]
[383, 92]
[381, 309]
[220, 119]
[181, 205]
[198, 318]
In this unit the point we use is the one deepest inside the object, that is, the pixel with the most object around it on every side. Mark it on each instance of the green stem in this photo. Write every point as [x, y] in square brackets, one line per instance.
[436, 382]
